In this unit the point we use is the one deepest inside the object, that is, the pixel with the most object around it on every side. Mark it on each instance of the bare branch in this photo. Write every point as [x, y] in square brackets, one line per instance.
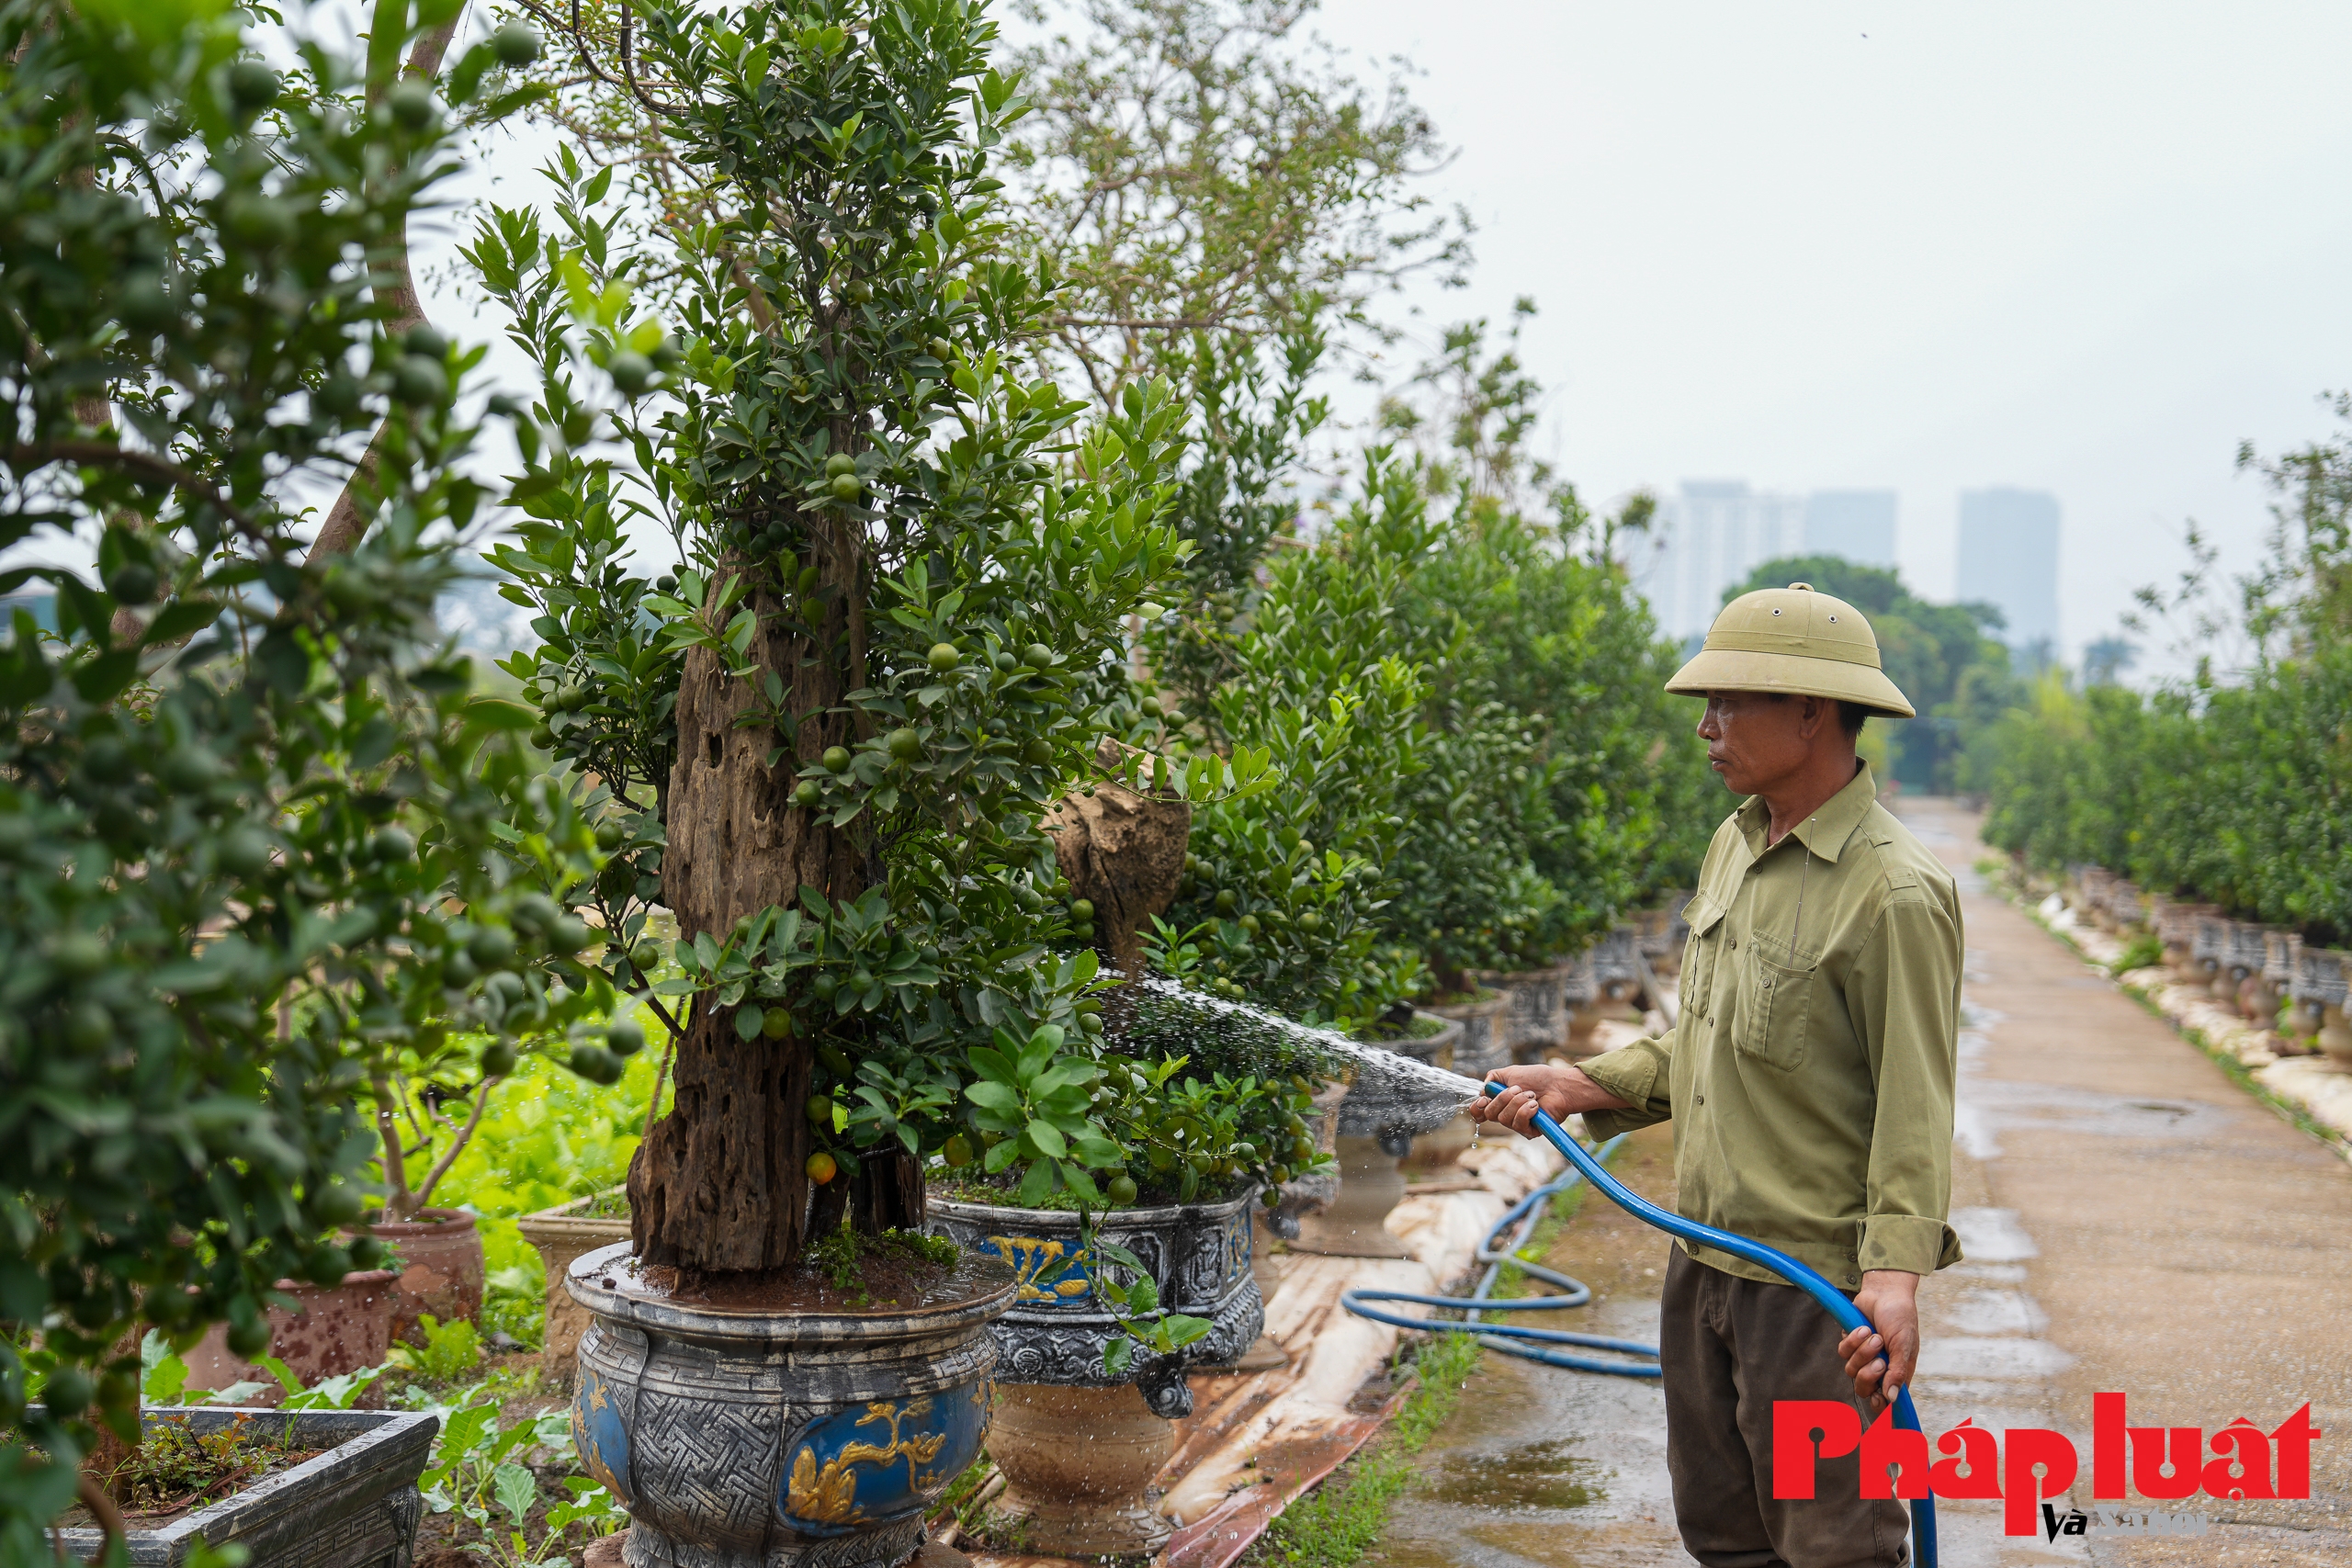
[457, 1145]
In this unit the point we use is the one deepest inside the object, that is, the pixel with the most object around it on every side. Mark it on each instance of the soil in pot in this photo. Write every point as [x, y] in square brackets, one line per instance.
[176, 1467]
[438, 1254]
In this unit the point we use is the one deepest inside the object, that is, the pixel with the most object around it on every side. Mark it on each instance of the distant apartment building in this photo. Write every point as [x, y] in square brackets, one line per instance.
[1856, 524]
[2009, 557]
[1713, 533]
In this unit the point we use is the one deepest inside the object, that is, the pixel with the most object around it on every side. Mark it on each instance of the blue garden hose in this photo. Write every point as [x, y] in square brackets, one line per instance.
[1521, 1220]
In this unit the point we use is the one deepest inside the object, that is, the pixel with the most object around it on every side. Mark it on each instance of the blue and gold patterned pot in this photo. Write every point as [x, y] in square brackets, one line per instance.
[1198, 1255]
[744, 1436]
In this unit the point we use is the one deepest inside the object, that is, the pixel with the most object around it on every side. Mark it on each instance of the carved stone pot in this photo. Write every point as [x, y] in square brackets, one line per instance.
[2241, 962]
[354, 1504]
[2175, 924]
[1616, 968]
[741, 1435]
[2322, 985]
[1056, 1327]
[1062, 1405]
[560, 1234]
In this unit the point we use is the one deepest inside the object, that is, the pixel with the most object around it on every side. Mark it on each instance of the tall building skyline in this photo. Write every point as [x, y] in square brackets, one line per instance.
[2008, 558]
[1718, 531]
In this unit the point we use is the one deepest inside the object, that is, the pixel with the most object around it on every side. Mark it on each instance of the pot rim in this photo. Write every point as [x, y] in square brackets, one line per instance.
[1454, 1030]
[779, 1326]
[1057, 1220]
[1462, 1012]
[396, 1229]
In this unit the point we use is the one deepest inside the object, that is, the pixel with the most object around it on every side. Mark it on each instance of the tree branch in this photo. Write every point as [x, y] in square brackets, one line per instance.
[399, 1205]
[457, 1145]
[346, 524]
[139, 465]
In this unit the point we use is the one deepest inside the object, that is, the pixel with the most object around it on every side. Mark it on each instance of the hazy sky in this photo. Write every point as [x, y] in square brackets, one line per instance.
[2084, 248]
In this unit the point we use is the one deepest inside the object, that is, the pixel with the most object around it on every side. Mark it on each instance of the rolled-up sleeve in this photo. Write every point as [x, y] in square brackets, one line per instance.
[1902, 994]
[1642, 1074]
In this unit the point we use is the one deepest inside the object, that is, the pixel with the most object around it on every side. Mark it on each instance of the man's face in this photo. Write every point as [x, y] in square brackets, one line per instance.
[1755, 739]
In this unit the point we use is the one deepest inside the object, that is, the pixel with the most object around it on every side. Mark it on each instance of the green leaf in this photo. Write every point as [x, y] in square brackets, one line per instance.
[1048, 1139]
[516, 1488]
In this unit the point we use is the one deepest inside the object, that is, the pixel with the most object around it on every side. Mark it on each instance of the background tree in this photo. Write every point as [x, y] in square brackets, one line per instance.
[243, 785]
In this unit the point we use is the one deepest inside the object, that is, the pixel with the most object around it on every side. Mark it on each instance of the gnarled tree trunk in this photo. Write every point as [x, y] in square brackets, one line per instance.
[718, 1185]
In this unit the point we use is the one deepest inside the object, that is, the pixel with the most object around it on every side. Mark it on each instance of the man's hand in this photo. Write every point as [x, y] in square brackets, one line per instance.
[1559, 1090]
[1882, 1362]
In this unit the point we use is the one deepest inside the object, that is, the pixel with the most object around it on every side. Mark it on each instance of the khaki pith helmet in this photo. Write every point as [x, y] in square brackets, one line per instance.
[1797, 641]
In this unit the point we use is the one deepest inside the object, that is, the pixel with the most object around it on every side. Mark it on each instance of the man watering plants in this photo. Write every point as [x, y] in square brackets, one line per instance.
[1809, 1077]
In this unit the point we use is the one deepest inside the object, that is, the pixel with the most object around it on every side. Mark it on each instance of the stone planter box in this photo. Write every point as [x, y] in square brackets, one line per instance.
[1483, 1046]
[560, 1234]
[1055, 1327]
[440, 1266]
[354, 1505]
[2126, 906]
[331, 1330]
[740, 1435]
[2175, 924]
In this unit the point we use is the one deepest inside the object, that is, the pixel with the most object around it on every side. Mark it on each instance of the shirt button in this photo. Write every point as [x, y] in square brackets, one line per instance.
[1702, 1099]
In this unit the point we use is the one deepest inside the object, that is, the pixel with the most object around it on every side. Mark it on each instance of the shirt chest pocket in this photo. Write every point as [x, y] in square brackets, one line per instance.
[1774, 1016]
[1695, 993]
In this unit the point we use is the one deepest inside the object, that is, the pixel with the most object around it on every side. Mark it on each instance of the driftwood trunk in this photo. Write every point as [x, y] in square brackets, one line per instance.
[718, 1185]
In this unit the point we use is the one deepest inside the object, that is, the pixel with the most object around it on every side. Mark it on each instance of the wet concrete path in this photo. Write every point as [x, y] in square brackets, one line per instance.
[2133, 1221]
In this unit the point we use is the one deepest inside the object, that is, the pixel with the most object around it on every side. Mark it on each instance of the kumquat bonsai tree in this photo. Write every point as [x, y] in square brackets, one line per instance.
[897, 610]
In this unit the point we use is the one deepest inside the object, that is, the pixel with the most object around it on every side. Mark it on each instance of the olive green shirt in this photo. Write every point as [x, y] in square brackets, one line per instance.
[1809, 1074]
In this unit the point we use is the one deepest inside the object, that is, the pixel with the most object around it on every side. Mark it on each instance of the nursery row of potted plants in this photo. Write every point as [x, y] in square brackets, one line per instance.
[2267, 972]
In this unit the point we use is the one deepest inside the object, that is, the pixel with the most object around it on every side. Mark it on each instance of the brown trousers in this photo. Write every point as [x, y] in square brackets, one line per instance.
[1731, 1347]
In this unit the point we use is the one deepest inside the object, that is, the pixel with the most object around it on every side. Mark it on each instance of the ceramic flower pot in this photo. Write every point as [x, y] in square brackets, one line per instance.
[438, 1254]
[1080, 1447]
[329, 1330]
[741, 1432]
[2240, 961]
[353, 1504]
[560, 1234]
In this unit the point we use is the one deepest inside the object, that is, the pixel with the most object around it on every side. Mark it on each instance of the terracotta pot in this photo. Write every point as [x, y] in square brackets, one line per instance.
[1077, 1466]
[1484, 1043]
[438, 1254]
[333, 1329]
[560, 1234]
